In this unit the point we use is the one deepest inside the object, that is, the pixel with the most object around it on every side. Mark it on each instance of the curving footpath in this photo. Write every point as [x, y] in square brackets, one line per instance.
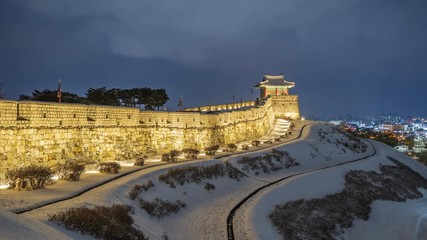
[230, 232]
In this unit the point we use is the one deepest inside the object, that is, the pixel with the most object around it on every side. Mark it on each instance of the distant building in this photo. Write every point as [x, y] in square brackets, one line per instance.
[417, 124]
[391, 127]
[274, 86]
[401, 148]
[419, 145]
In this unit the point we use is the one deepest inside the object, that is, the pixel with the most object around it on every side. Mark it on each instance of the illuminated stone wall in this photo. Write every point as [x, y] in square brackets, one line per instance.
[39, 132]
[222, 107]
[286, 106]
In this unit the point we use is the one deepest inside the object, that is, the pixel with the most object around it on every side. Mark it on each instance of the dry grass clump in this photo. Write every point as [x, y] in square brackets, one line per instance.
[101, 222]
[161, 208]
[273, 161]
[197, 174]
[137, 189]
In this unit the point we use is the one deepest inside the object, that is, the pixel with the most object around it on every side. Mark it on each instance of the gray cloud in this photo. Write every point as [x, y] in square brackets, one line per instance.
[336, 50]
[186, 31]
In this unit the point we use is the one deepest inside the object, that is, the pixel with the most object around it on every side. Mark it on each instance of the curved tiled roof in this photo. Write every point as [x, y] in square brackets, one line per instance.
[271, 80]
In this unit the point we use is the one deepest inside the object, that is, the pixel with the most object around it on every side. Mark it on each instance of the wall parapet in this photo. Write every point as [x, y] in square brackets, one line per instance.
[222, 107]
[29, 114]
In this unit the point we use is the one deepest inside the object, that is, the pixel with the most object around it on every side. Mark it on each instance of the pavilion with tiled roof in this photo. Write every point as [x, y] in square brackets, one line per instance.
[274, 86]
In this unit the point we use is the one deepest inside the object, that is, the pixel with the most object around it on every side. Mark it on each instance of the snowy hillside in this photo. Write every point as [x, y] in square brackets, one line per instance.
[193, 200]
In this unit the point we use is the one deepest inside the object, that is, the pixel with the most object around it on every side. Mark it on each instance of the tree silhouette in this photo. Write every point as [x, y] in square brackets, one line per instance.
[51, 96]
[150, 98]
[102, 96]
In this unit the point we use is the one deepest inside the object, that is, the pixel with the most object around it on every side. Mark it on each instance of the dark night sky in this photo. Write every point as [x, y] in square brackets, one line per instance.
[345, 56]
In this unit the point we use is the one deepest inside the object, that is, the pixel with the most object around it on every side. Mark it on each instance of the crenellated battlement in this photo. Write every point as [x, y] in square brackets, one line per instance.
[222, 107]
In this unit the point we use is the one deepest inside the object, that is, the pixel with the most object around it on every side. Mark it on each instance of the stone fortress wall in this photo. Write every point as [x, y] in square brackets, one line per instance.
[222, 107]
[41, 132]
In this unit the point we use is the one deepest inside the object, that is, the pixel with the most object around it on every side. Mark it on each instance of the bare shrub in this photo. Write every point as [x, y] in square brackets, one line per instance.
[244, 147]
[211, 150]
[255, 143]
[190, 153]
[197, 174]
[140, 161]
[101, 222]
[161, 208]
[209, 186]
[69, 170]
[29, 177]
[349, 141]
[171, 157]
[109, 167]
[231, 147]
[273, 161]
[137, 189]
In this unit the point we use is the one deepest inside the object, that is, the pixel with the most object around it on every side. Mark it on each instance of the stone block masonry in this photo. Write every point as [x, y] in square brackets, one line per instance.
[44, 133]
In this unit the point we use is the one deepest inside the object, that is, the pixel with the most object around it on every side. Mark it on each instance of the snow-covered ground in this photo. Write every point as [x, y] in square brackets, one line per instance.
[388, 220]
[205, 214]
[393, 220]
[202, 217]
[311, 151]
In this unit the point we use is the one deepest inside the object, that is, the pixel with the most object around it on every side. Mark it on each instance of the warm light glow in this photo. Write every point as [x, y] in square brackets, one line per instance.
[4, 186]
[55, 178]
[92, 171]
[126, 163]
[303, 118]
[202, 154]
[153, 160]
